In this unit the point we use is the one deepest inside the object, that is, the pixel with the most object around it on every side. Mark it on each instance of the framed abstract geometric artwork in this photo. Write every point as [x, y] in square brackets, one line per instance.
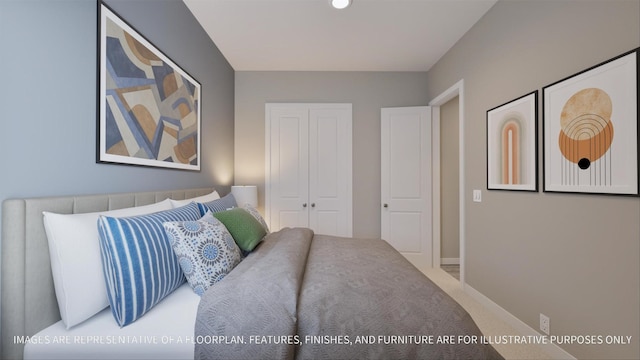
[512, 145]
[149, 108]
[591, 130]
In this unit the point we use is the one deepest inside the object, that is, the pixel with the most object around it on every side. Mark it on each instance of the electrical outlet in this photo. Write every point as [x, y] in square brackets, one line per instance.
[544, 323]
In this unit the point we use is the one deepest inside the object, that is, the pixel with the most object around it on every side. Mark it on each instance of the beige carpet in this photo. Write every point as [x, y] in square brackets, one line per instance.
[489, 324]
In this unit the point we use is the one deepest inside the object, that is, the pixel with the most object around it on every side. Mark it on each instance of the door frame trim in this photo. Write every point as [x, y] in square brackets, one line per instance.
[455, 90]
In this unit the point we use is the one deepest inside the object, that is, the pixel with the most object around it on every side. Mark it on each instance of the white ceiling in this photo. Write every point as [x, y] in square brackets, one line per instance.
[309, 35]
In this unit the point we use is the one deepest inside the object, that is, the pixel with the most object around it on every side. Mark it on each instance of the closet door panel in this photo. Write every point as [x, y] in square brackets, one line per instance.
[289, 175]
[330, 170]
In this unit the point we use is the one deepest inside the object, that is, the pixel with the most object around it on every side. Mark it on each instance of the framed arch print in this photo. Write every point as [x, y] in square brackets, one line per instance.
[591, 130]
[512, 145]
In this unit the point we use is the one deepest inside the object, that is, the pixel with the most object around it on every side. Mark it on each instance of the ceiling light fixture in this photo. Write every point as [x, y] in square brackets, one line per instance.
[340, 4]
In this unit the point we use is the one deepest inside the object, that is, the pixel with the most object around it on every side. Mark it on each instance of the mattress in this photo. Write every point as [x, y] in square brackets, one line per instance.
[165, 332]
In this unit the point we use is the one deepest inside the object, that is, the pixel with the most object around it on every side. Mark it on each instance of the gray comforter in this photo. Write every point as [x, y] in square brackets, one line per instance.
[320, 297]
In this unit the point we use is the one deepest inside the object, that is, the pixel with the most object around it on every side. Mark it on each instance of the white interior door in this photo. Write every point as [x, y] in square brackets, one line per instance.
[406, 182]
[330, 170]
[288, 203]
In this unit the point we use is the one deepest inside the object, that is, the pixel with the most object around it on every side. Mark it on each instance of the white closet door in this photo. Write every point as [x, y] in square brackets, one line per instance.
[406, 182]
[309, 167]
[289, 167]
[330, 170]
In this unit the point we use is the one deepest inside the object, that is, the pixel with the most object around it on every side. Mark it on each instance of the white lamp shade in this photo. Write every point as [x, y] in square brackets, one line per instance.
[245, 195]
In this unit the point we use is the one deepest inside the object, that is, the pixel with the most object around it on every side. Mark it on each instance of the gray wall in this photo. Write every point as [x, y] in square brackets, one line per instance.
[450, 180]
[48, 98]
[367, 91]
[575, 258]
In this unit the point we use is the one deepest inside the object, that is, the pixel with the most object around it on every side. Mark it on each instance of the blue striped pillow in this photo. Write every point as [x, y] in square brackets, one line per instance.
[140, 267]
[225, 203]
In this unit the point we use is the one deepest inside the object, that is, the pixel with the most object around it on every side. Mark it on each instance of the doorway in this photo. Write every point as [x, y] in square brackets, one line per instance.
[449, 188]
[455, 91]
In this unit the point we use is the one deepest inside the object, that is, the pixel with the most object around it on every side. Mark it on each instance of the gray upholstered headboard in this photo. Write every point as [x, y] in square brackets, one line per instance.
[28, 298]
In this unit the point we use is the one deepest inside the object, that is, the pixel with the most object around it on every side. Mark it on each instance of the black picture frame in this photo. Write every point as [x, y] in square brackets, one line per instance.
[591, 130]
[149, 108]
[512, 144]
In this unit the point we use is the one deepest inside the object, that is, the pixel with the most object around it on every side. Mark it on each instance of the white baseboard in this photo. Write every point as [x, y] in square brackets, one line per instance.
[553, 350]
[450, 261]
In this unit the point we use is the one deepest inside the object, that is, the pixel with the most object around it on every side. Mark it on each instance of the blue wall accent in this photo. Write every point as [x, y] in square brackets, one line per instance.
[48, 95]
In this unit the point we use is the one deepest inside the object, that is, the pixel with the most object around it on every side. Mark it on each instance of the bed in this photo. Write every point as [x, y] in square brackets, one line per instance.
[29, 302]
[295, 295]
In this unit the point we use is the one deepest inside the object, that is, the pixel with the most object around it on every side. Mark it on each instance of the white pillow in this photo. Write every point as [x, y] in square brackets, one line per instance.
[199, 199]
[76, 264]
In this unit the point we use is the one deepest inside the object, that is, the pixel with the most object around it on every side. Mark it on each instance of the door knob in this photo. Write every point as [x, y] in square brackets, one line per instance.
[304, 205]
[386, 205]
[313, 205]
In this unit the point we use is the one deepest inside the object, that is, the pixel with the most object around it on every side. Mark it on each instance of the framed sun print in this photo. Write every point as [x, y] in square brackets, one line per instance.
[512, 145]
[149, 107]
[591, 130]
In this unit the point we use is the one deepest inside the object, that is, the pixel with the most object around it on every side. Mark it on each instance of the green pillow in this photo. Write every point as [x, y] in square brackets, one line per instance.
[245, 229]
